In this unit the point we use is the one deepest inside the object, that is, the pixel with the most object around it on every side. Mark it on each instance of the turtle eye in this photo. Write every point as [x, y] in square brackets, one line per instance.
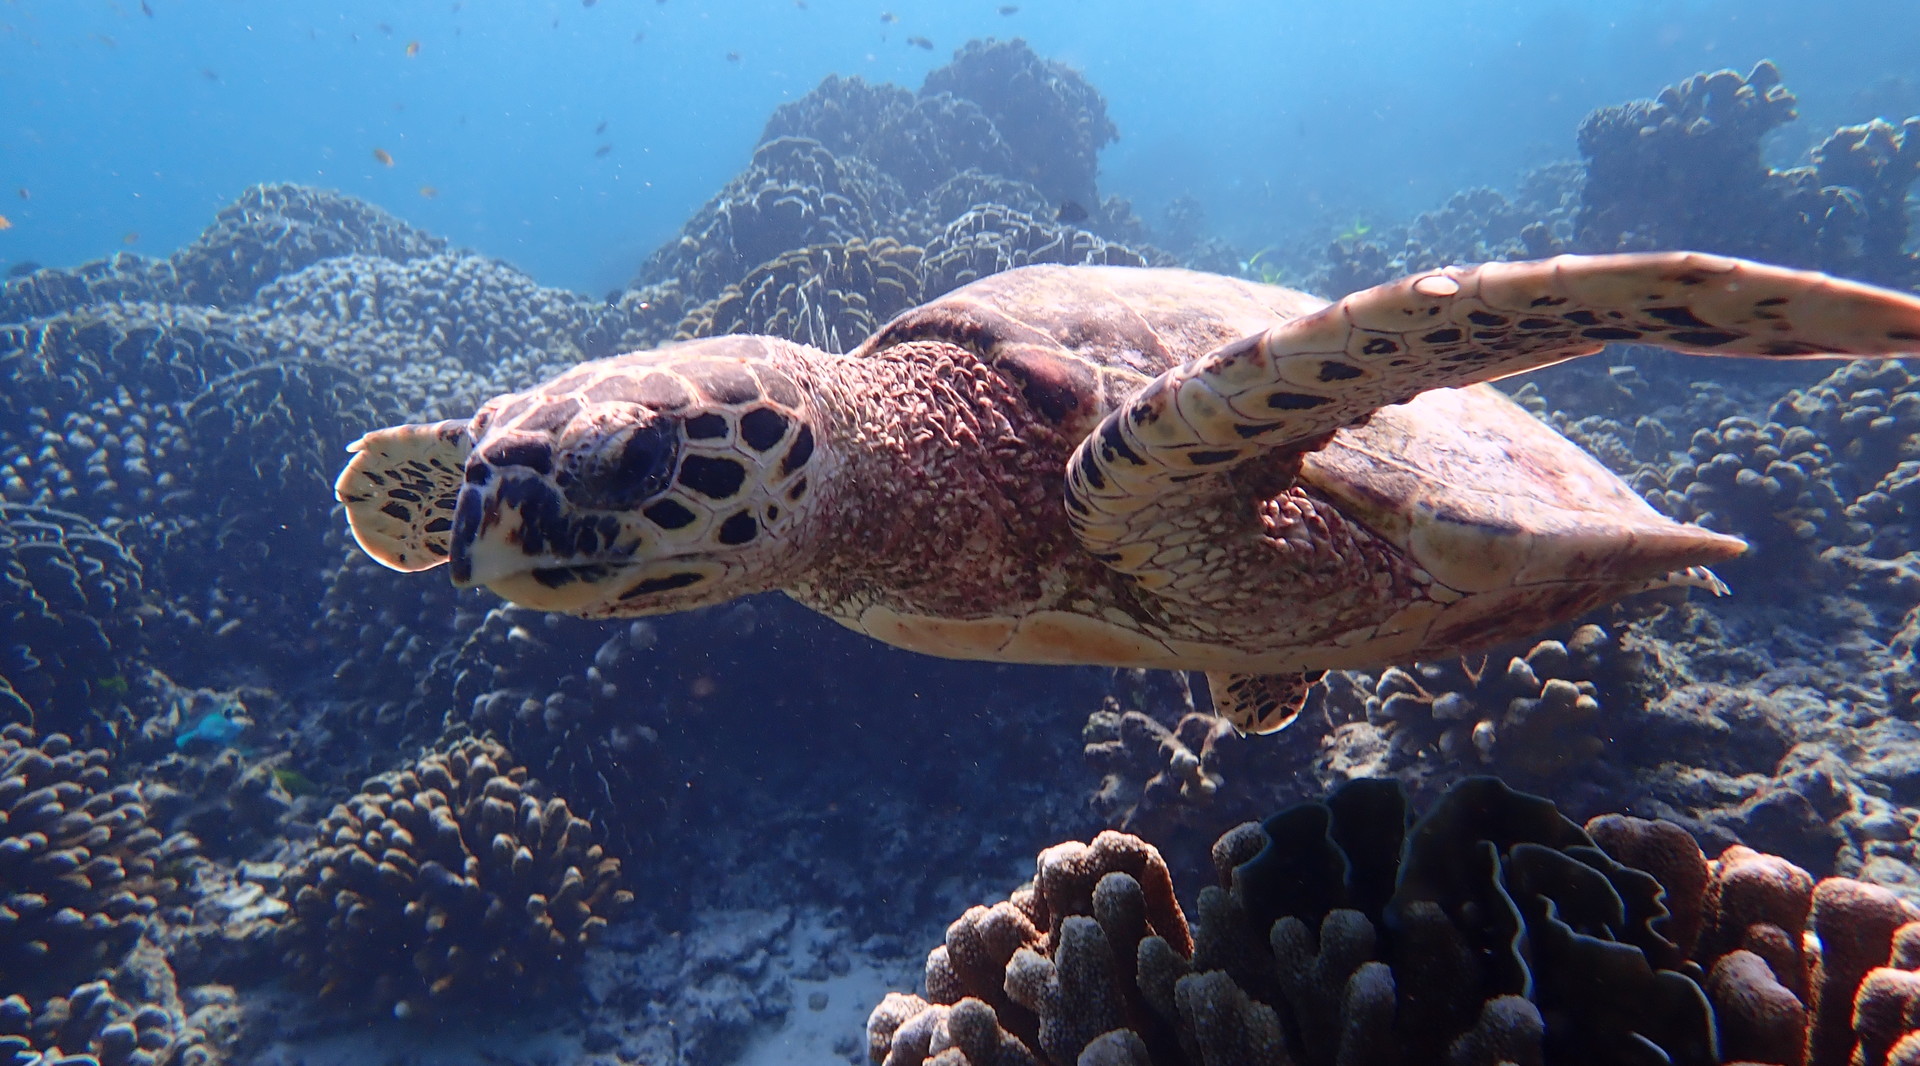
[626, 471]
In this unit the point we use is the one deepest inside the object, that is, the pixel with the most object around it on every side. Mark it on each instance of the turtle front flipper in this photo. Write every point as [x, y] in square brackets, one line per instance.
[1129, 481]
[399, 489]
[1261, 703]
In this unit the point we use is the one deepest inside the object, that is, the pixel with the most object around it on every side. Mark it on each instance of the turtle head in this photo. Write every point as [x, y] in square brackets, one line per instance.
[642, 484]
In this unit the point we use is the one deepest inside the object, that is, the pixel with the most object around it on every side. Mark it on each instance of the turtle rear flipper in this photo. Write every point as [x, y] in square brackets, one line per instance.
[1261, 703]
[400, 488]
[1308, 377]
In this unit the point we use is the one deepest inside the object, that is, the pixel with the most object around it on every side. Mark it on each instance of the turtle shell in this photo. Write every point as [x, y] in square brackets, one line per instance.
[1081, 340]
[1467, 484]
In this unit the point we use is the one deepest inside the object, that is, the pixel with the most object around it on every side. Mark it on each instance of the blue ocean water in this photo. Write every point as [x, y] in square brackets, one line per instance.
[265, 801]
[128, 130]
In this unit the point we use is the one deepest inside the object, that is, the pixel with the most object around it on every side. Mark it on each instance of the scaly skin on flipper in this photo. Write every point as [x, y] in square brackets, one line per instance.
[1260, 703]
[1447, 328]
[399, 490]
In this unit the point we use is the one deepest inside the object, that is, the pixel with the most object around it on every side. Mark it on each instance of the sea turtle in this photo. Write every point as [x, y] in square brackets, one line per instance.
[1111, 465]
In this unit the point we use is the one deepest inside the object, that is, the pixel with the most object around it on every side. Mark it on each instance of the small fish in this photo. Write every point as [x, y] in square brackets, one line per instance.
[638, 37]
[381, 157]
[146, 8]
[801, 4]
[132, 237]
[294, 782]
[601, 152]
[22, 268]
[5, 223]
[106, 40]
[920, 42]
[213, 727]
[429, 192]
[1071, 212]
[1009, 9]
[24, 193]
[733, 57]
[889, 17]
[587, 3]
[413, 48]
[601, 128]
[386, 29]
[210, 74]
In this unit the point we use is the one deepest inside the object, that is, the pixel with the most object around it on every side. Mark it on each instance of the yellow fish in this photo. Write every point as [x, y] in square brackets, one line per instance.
[5, 223]
[380, 156]
[413, 48]
[429, 191]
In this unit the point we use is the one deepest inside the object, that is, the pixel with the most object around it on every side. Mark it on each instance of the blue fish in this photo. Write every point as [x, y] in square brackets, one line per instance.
[214, 727]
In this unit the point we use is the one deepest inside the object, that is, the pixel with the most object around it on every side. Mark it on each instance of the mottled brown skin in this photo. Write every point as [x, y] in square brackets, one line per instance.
[1108, 466]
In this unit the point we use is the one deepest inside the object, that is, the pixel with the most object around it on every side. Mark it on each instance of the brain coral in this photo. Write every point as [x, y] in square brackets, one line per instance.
[448, 883]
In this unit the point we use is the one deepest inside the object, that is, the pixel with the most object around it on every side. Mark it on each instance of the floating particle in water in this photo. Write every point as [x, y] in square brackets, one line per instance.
[429, 192]
[920, 42]
[601, 152]
[382, 157]
[413, 48]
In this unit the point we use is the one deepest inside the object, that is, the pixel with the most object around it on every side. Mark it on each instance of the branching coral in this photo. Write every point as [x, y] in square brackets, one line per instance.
[1490, 930]
[448, 883]
[81, 875]
[832, 296]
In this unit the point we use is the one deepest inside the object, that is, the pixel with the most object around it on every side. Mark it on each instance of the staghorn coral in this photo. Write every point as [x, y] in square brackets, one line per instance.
[1490, 930]
[448, 883]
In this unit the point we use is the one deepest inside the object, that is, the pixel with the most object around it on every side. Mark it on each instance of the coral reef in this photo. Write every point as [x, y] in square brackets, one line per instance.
[1685, 170]
[1491, 929]
[69, 609]
[82, 874]
[446, 883]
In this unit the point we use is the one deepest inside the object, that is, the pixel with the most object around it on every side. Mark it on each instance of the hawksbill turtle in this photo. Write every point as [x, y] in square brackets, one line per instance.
[1111, 465]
